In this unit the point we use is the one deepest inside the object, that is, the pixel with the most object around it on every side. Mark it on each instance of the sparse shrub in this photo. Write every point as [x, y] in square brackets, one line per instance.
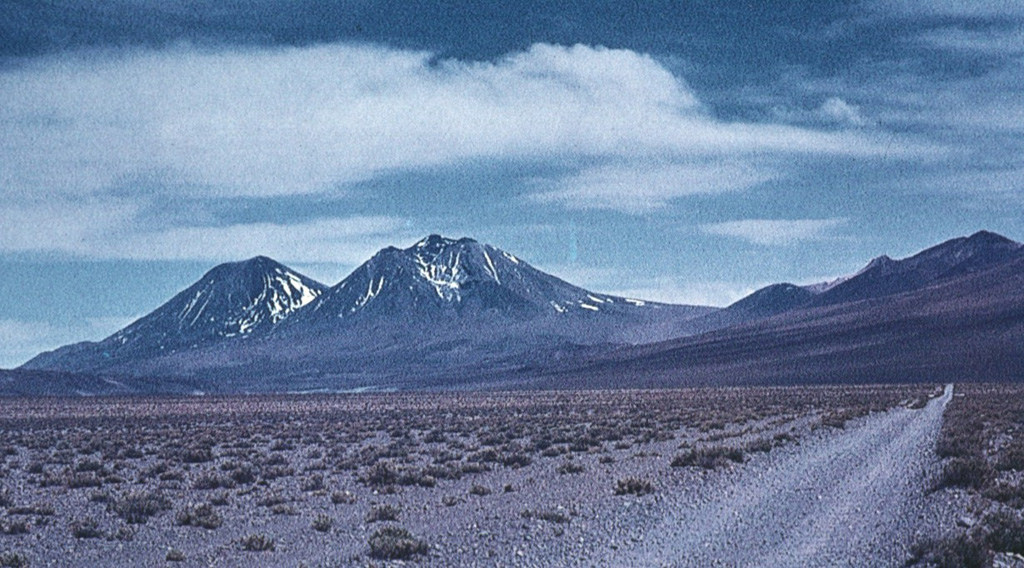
[81, 480]
[13, 560]
[972, 472]
[417, 477]
[633, 486]
[125, 533]
[395, 543]
[208, 481]
[1006, 491]
[86, 528]
[283, 509]
[487, 455]
[759, 445]
[137, 507]
[220, 499]
[43, 510]
[958, 551]
[839, 418]
[314, 482]
[450, 500]
[381, 473]
[99, 497]
[243, 475]
[277, 472]
[343, 498]
[172, 475]
[276, 459]
[322, 523]
[272, 500]
[783, 437]
[282, 446]
[554, 451]
[257, 543]
[479, 490]
[1005, 532]
[708, 458]
[383, 513]
[197, 455]
[471, 467]
[569, 467]
[516, 460]
[551, 516]
[88, 465]
[202, 515]
[1011, 458]
[175, 555]
[14, 528]
[918, 403]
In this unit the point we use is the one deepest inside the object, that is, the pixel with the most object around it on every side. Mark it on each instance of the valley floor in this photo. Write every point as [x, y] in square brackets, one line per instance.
[755, 476]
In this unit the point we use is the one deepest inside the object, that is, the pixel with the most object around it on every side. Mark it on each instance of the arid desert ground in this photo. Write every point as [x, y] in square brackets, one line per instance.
[803, 476]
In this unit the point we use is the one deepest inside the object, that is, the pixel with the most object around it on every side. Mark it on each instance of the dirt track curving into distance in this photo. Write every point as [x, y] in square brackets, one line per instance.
[853, 499]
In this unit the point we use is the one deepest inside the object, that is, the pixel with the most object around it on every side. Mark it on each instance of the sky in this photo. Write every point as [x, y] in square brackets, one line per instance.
[685, 152]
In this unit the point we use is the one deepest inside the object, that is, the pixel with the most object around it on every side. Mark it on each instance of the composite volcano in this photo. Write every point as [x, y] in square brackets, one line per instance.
[439, 312]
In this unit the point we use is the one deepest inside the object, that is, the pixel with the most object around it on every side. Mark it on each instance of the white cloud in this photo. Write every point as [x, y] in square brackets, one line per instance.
[61, 224]
[653, 288]
[107, 229]
[22, 340]
[774, 231]
[833, 112]
[1000, 185]
[989, 42]
[698, 293]
[304, 120]
[837, 111]
[961, 8]
[642, 188]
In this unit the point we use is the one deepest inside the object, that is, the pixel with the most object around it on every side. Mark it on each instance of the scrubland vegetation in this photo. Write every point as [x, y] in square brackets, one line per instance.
[982, 446]
[341, 480]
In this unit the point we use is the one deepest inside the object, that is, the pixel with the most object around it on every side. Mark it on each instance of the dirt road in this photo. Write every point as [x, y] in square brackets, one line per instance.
[854, 498]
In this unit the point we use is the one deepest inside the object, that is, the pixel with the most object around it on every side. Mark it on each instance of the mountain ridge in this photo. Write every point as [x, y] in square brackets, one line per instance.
[234, 299]
[447, 295]
[455, 313]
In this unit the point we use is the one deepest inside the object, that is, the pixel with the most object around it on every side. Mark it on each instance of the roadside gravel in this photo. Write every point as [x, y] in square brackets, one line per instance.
[854, 498]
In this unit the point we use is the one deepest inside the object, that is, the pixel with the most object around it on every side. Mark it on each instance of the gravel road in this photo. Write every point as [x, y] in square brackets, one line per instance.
[856, 498]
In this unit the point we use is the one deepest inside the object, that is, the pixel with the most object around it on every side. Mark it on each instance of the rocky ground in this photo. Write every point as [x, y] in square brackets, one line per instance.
[787, 476]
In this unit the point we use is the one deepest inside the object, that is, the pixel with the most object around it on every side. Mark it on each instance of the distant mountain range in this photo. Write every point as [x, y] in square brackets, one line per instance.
[458, 314]
[954, 312]
[442, 312]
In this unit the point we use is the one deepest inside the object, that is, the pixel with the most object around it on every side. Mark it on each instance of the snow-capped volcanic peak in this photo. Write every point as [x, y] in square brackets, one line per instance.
[457, 276]
[447, 264]
[282, 293]
[230, 300]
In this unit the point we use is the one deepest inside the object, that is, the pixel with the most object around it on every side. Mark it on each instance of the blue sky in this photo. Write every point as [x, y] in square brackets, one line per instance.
[678, 151]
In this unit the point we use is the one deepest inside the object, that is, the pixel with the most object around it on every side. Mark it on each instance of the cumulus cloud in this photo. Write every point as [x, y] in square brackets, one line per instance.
[774, 231]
